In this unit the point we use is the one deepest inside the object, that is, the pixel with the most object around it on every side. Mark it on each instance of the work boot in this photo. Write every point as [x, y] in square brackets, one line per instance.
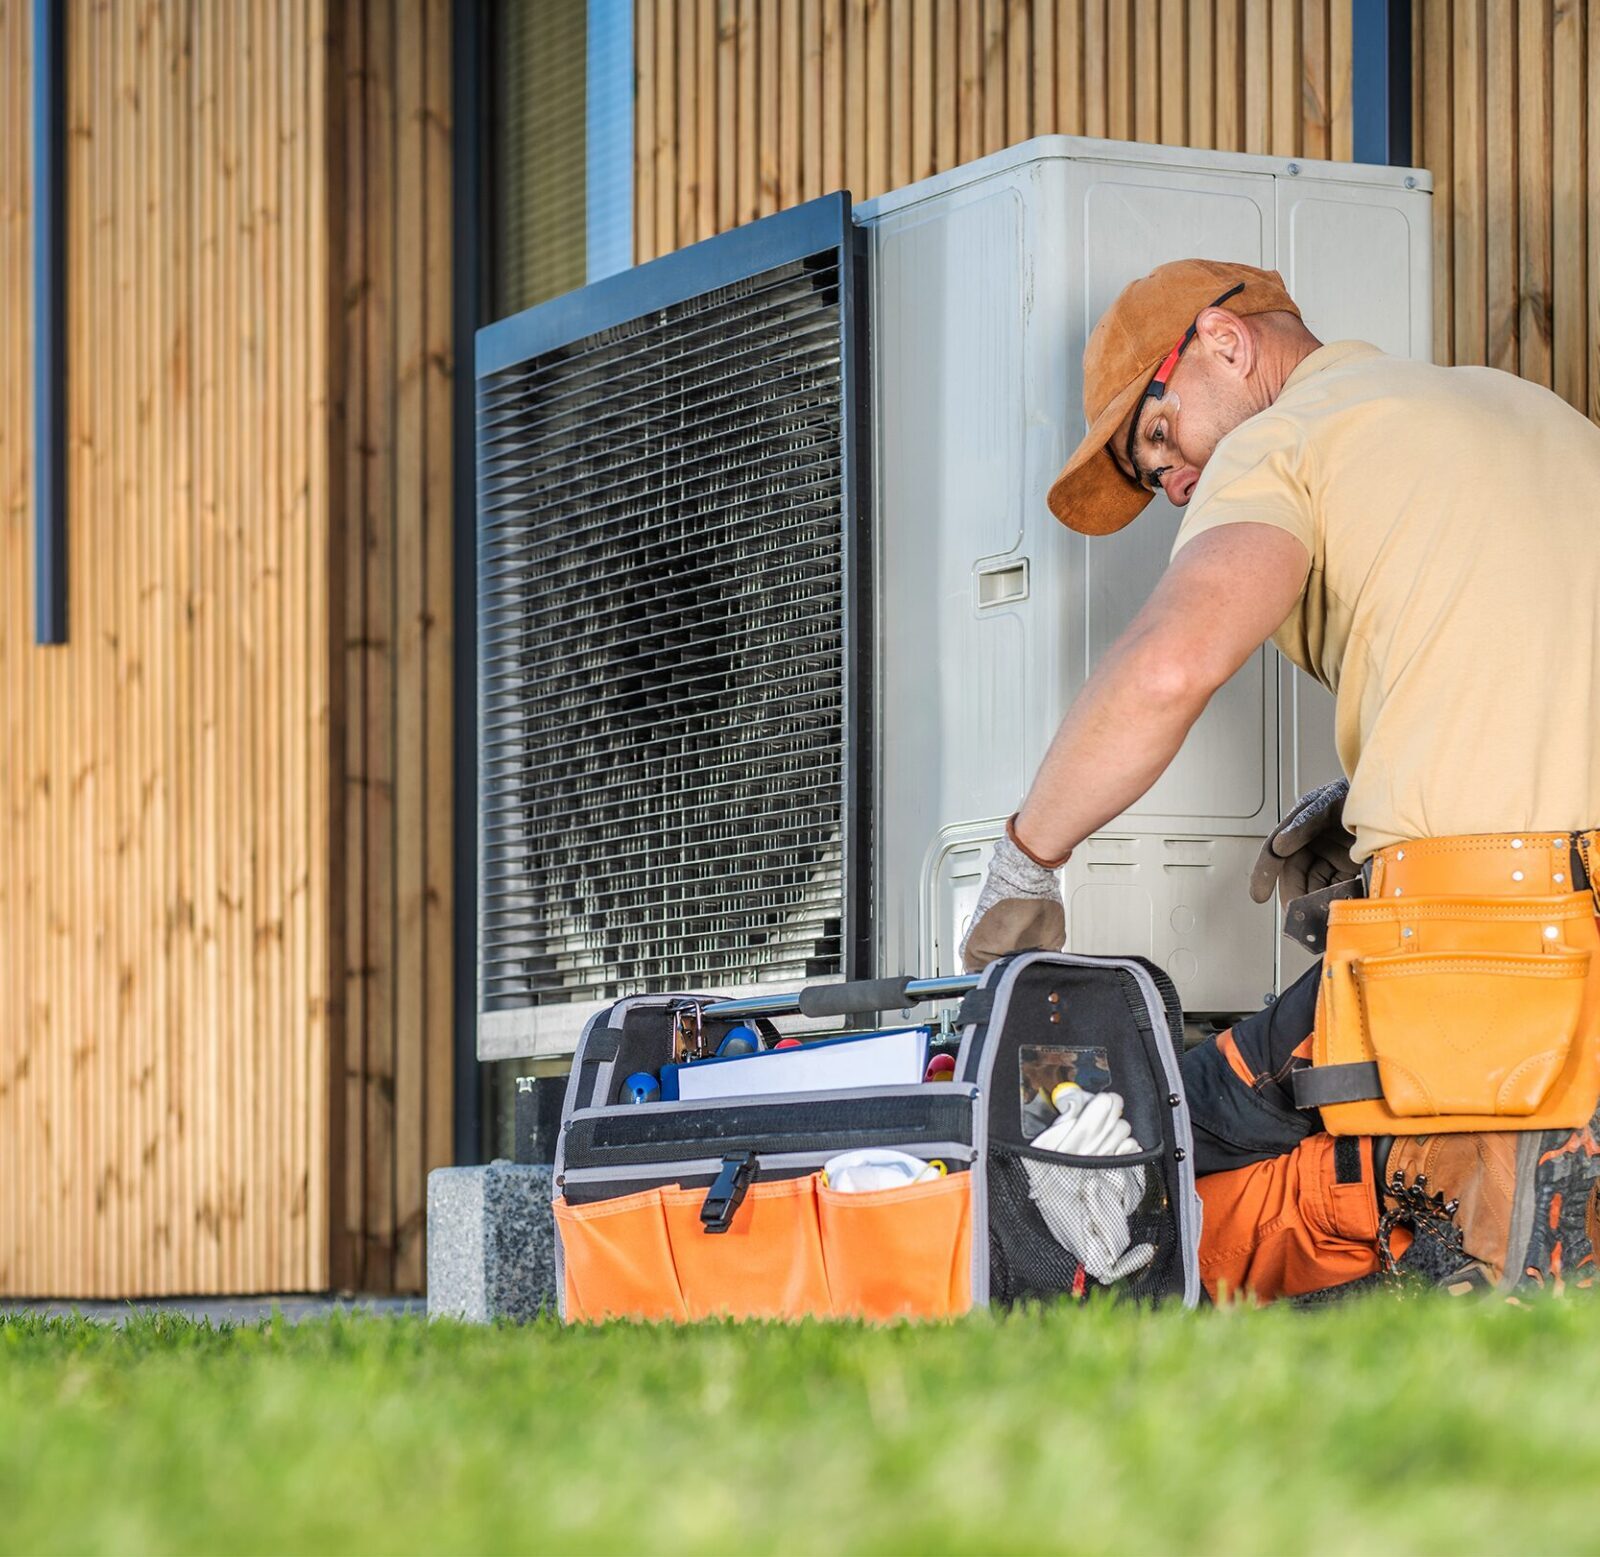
[1453, 1195]
[1509, 1210]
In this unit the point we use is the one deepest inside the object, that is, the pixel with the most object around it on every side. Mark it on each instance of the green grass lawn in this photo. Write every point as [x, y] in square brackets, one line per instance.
[1385, 1425]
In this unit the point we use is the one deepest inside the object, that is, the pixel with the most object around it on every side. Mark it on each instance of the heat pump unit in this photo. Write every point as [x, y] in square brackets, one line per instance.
[775, 625]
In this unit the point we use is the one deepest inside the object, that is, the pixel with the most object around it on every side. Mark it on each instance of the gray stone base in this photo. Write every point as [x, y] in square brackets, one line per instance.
[491, 1242]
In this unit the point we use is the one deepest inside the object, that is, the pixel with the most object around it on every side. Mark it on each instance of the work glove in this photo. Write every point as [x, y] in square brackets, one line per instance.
[1088, 1210]
[1019, 909]
[1307, 859]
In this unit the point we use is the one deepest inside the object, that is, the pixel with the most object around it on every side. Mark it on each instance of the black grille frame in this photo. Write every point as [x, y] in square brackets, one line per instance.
[673, 644]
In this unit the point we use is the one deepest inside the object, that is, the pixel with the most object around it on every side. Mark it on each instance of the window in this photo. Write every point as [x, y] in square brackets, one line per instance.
[561, 147]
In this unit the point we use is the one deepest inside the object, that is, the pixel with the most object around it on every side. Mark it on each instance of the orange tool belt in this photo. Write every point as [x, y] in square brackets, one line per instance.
[1463, 992]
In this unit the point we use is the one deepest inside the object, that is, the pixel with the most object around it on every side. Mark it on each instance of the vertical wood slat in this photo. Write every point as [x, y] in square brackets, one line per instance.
[831, 79]
[1018, 18]
[922, 150]
[992, 76]
[1203, 83]
[969, 80]
[946, 83]
[669, 157]
[1341, 79]
[1569, 302]
[407, 520]
[767, 42]
[748, 145]
[704, 65]
[877, 88]
[812, 106]
[1592, 205]
[1535, 184]
[348, 1244]
[1500, 188]
[1471, 295]
[854, 143]
[1434, 45]
[1046, 104]
[1096, 67]
[682, 65]
[437, 626]
[1314, 82]
[902, 87]
[1070, 43]
[1121, 54]
[787, 172]
[376, 633]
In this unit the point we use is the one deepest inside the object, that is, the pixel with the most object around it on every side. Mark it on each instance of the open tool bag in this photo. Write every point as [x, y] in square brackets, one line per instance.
[691, 1209]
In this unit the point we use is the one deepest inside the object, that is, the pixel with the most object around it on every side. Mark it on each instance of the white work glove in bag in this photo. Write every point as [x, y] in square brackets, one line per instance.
[1088, 1210]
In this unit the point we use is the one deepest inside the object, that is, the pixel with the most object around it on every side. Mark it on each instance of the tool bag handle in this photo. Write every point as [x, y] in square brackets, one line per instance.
[855, 998]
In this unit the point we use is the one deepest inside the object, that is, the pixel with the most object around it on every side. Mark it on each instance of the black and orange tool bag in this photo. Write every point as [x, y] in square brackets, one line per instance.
[691, 1210]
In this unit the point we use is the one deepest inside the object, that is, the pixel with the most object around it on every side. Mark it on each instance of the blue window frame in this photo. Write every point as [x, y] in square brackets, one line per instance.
[1380, 95]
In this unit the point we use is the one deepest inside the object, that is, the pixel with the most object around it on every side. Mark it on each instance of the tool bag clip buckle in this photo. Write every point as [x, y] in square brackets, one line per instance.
[727, 1192]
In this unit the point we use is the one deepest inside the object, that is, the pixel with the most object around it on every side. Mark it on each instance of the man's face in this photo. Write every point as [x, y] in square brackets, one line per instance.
[1206, 398]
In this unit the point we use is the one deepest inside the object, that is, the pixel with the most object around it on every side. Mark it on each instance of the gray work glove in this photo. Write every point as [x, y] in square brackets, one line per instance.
[1019, 909]
[1307, 860]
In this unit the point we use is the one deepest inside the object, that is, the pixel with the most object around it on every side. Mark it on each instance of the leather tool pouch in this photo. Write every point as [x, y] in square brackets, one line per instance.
[1441, 1014]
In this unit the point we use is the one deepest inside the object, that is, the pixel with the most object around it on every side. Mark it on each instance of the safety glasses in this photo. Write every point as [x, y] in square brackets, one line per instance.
[1157, 388]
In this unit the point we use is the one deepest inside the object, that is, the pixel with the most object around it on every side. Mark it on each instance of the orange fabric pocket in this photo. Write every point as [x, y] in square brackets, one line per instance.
[899, 1253]
[768, 1265]
[618, 1260]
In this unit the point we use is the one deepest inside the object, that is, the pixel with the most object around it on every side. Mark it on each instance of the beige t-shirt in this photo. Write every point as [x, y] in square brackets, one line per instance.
[1453, 603]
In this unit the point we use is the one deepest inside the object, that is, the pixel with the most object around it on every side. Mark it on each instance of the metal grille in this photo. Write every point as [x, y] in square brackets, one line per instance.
[663, 557]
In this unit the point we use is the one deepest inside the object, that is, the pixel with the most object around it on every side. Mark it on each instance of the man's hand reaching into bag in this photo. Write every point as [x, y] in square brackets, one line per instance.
[1019, 909]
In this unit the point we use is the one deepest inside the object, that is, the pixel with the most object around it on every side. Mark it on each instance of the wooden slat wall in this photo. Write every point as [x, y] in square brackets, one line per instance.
[225, 872]
[164, 925]
[745, 108]
[1507, 115]
[393, 888]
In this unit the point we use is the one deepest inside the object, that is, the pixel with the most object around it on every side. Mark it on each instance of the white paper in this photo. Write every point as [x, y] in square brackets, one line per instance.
[883, 1060]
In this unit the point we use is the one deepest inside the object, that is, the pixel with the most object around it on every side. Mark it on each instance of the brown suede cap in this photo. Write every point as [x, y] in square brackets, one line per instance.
[1129, 344]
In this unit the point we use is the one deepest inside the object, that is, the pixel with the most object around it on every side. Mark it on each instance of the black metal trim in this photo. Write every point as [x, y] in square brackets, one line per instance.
[49, 324]
[745, 251]
[1380, 87]
[468, 214]
[855, 380]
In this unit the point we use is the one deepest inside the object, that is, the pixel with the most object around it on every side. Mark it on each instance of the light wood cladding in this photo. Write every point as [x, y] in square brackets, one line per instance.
[393, 885]
[225, 854]
[871, 94]
[164, 913]
[1507, 116]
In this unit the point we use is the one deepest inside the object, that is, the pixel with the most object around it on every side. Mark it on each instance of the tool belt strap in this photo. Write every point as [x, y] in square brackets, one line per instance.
[1319, 1085]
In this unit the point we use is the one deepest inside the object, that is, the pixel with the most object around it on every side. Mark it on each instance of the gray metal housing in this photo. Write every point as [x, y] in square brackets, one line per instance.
[984, 285]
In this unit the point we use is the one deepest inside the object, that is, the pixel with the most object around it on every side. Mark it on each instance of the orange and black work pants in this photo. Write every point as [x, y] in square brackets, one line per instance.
[1289, 1209]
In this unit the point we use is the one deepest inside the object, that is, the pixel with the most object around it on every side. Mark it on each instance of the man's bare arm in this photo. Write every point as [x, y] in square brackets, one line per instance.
[1225, 594]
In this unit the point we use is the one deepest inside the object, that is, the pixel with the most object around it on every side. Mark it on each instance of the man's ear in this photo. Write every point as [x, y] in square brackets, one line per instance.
[1228, 339]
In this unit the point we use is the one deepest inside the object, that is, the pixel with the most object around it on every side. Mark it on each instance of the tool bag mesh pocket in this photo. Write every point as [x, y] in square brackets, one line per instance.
[1059, 1225]
[1049, 1218]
